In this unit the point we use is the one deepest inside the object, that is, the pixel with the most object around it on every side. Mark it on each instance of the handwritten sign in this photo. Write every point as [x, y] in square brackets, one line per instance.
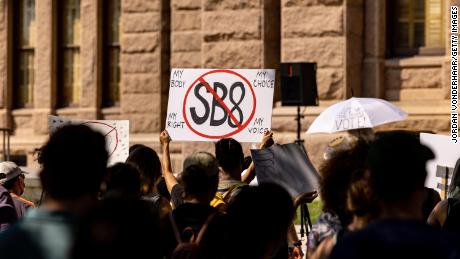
[116, 134]
[446, 155]
[210, 104]
[352, 117]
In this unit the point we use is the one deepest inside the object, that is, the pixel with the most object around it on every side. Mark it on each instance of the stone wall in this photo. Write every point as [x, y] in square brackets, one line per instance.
[186, 37]
[142, 72]
[314, 31]
[345, 37]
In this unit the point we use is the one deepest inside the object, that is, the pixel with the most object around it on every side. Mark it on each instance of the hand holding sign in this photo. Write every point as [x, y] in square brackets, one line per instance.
[164, 138]
[219, 104]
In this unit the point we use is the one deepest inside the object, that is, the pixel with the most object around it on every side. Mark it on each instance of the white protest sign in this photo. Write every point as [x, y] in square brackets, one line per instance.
[210, 104]
[116, 134]
[446, 155]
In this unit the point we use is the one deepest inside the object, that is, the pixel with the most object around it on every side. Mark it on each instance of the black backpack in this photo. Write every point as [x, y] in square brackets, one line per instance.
[189, 249]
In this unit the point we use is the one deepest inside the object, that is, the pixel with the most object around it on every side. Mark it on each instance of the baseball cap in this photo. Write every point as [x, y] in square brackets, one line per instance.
[9, 170]
[204, 160]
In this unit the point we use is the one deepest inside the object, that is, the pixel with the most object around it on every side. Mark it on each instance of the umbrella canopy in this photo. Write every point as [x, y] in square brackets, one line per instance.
[356, 113]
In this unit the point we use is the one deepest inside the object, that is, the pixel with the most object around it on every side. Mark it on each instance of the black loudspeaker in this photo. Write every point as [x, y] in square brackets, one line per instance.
[298, 84]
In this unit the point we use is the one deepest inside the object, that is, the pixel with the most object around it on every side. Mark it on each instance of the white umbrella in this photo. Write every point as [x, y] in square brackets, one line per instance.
[356, 113]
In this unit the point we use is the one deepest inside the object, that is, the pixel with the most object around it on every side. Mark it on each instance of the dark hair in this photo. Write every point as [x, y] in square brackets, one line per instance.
[197, 183]
[74, 162]
[123, 179]
[229, 154]
[134, 147]
[10, 183]
[146, 160]
[397, 163]
[273, 208]
[336, 174]
[361, 199]
[119, 228]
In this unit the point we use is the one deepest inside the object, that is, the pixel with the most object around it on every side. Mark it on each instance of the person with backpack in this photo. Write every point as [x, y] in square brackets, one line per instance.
[231, 156]
[200, 186]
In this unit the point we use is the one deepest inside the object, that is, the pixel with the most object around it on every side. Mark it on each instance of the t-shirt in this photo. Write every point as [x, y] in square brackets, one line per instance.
[41, 234]
[8, 213]
[397, 239]
[177, 195]
[192, 216]
[21, 205]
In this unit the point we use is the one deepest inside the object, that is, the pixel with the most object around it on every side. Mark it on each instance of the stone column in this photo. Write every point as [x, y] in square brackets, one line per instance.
[5, 73]
[90, 69]
[313, 31]
[142, 53]
[45, 76]
[353, 47]
[374, 49]
[240, 34]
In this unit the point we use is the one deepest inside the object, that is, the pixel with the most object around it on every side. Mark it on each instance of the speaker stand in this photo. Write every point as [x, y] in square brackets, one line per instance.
[304, 213]
[299, 118]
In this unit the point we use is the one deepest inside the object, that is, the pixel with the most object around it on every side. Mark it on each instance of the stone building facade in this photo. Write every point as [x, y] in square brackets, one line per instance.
[349, 40]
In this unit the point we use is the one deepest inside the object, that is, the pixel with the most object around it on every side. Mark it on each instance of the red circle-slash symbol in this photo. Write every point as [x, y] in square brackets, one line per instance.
[240, 126]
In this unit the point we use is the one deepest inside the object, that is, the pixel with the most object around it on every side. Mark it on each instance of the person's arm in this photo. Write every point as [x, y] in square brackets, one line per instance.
[250, 174]
[170, 179]
[294, 240]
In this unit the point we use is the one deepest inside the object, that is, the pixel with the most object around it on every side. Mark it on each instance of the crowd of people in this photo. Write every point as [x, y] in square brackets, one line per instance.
[374, 201]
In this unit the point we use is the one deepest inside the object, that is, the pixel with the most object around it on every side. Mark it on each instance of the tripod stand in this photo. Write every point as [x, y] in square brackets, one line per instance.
[305, 220]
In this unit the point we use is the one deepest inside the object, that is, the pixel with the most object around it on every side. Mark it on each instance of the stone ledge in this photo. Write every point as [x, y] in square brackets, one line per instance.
[417, 61]
[111, 111]
[23, 112]
[415, 94]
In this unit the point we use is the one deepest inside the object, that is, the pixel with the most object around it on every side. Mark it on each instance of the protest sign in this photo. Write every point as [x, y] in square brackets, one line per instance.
[210, 104]
[440, 168]
[287, 165]
[116, 134]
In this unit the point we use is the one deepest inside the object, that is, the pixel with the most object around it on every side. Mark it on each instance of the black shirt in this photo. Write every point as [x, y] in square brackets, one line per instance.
[397, 239]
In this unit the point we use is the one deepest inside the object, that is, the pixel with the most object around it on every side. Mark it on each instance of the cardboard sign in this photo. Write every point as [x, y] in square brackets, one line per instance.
[287, 165]
[116, 134]
[440, 168]
[210, 104]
